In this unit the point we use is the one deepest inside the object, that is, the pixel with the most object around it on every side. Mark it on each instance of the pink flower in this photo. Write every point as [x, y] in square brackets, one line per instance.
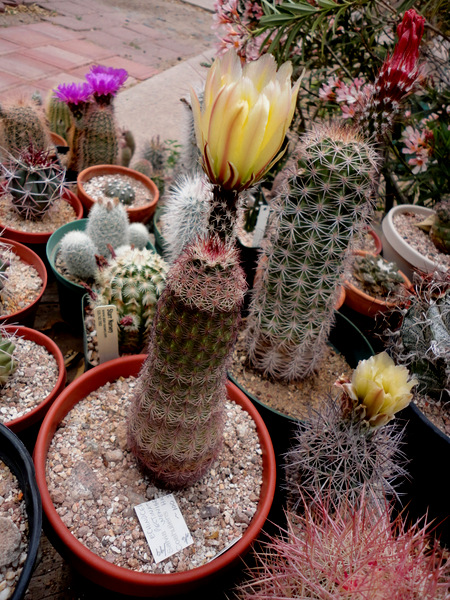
[73, 93]
[327, 92]
[105, 82]
[420, 162]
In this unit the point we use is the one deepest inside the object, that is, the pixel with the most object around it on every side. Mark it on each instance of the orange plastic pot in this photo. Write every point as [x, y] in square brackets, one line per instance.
[37, 414]
[26, 315]
[365, 304]
[120, 579]
[136, 214]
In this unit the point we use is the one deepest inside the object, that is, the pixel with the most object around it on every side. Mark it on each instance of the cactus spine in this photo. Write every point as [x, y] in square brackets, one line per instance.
[98, 140]
[325, 202]
[133, 282]
[176, 420]
[108, 225]
[22, 124]
[78, 252]
[7, 363]
[118, 189]
[58, 115]
[138, 235]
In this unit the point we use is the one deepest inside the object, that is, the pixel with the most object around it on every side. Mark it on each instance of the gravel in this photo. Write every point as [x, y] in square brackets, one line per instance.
[94, 188]
[95, 483]
[60, 213]
[22, 285]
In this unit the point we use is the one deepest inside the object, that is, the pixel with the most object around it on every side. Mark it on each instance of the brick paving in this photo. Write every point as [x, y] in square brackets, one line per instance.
[62, 46]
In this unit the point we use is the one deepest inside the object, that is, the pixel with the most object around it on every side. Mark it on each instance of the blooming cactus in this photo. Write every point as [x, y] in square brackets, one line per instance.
[244, 118]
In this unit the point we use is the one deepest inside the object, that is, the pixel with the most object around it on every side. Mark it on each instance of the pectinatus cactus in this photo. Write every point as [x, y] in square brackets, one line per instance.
[108, 225]
[326, 200]
[7, 362]
[117, 188]
[78, 252]
[376, 276]
[177, 417]
[22, 124]
[34, 181]
[344, 450]
[440, 228]
[132, 281]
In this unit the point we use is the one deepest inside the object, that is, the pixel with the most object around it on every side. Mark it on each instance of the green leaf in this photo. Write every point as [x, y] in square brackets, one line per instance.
[327, 4]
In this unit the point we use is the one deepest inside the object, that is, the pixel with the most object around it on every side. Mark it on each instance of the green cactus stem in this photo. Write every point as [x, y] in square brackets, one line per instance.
[59, 115]
[98, 141]
[177, 417]
[7, 362]
[23, 124]
[440, 229]
[119, 189]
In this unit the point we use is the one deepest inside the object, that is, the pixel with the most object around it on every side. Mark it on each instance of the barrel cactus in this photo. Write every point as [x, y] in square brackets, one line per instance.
[108, 225]
[21, 124]
[132, 281]
[440, 228]
[122, 190]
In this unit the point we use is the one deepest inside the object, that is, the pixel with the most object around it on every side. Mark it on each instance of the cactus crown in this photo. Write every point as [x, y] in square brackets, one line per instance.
[377, 276]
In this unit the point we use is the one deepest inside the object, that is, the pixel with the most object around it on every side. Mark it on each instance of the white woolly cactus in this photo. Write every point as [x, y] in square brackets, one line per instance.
[326, 200]
[108, 225]
[78, 252]
[138, 235]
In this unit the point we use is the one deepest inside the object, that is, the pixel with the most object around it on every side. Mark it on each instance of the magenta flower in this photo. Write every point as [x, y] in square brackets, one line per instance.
[105, 82]
[120, 74]
[73, 93]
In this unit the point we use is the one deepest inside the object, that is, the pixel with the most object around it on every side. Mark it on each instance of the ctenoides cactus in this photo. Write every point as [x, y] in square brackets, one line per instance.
[177, 417]
[132, 281]
[7, 363]
[22, 124]
[326, 201]
[34, 181]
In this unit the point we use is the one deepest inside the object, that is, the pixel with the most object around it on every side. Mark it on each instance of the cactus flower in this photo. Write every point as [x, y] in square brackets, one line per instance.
[380, 388]
[243, 120]
[73, 93]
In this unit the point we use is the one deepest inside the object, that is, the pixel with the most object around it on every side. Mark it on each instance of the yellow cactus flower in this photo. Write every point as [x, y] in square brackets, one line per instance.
[381, 388]
[243, 119]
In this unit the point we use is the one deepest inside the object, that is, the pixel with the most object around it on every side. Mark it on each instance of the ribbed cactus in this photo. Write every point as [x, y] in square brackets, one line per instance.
[22, 124]
[127, 147]
[4, 264]
[138, 235]
[326, 201]
[132, 281]
[7, 362]
[98, 140]
[177, 417]
[108, 225]
[78, 252]
[185, 213]
[34, 181]
[59, 115]
[143, 166]
[119, 189]
[440, 229]
[190, 159]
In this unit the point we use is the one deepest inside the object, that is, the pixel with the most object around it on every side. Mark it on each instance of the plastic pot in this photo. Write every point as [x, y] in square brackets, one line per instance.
[37, 414]
[26, 315]
[14, 454]
[104, 573]
[141, 214]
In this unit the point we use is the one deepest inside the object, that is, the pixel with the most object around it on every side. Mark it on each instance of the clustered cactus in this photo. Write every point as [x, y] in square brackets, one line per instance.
[34, 180]
[326, 200]
[376, 276]
[440, 228]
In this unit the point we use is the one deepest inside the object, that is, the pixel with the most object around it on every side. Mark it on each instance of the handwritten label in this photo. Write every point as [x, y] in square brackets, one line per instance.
[107, 334]
[260, 226]
[164, 526]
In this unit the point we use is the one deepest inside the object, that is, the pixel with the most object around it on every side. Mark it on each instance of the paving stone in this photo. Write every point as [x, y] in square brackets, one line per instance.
[54, 31]
[50, 83]
[6, 46]
[86, 48]
[135, 69]
[7, 81]
[25, 67]
[23, 36]
[58, 57]
[69, 22]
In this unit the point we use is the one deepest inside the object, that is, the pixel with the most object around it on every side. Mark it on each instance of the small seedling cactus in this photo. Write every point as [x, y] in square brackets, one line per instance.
[440, 229]
[78, 252]
[108, 225]
[7, 362]
[376, 276]
[124, 191]
[138, 235]
[34, 181]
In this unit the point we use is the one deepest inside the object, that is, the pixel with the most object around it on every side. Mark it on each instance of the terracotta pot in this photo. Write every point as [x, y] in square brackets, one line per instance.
[57, 139]
[26, 315]
[40, 238]
[365, 304]
[103, 572]
[140, 214]
[37, 414]
[377, 240]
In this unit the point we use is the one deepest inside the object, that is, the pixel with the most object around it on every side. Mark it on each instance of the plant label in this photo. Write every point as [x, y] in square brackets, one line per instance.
[107, 333]
[260, 226]
[164, 526]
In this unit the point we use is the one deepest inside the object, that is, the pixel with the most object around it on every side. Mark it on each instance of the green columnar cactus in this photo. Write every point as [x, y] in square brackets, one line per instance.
[34, 181]
[133, 282]
[185, 213]
[440, 229]
[21, 125]
[176, 420]
[78, 252]
[98, 140]
[7, 362]
[121, 190]
[127, 147]
[326, 201]
[59, 115]
[108, 225]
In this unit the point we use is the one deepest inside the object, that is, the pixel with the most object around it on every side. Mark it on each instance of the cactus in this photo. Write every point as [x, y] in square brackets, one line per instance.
[190, 158]
[108, 225]
[7, 362]
[78, 252]
[34, 181]
[143, 166]
[176, 419]
[185, 214]
[121, 190]
[377, 277]
[326, 200]
[132, 281]
[59, 115]
[22, 124]
[4, 264]
[138, 235]
[440, 229]
[98, 141]
[127, 147]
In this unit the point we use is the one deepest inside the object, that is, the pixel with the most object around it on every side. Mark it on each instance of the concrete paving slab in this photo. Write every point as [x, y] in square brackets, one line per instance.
[206, 4]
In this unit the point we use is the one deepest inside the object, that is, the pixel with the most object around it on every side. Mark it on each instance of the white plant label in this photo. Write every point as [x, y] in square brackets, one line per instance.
[107, 334]
[164, 526]
[260, 226]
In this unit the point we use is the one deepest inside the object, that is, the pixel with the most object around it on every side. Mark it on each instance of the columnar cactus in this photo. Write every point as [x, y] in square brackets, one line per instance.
[177, 417]
[34, 181]
[185, 213]
[58, 115]
[108, 225]
[132, 281]
[440, 229]
[7, 362]
[22, 124]
[78, 252]
[99, 140]
[326, 201]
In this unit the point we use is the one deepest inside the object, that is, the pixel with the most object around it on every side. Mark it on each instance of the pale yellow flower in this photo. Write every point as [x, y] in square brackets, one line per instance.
[381, 388]
[243, 119]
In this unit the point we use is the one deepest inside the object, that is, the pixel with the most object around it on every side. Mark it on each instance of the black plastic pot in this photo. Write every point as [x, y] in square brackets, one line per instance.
[14, 454]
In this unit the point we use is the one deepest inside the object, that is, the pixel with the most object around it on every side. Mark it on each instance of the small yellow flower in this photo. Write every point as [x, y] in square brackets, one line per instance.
[243, 119]
[381, 388]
